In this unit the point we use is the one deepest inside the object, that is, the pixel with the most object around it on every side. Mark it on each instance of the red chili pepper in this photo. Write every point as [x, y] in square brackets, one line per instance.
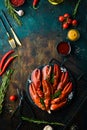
[4, 58]
[35, 2]
[7, 63]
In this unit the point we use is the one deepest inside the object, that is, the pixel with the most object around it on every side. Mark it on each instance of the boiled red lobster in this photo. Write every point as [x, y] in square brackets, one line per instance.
[50, 87]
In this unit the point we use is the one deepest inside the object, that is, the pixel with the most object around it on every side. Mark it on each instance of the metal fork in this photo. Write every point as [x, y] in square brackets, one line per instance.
[10, 39]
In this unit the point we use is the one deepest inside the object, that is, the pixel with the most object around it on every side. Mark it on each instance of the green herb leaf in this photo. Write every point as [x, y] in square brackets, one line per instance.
[57, 94]
[3, 87]
[42, 101]
[52, 78]
[42, 122]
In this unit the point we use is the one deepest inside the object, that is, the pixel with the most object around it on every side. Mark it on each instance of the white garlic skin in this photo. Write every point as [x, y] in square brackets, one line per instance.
[20, 12]
[47, 127]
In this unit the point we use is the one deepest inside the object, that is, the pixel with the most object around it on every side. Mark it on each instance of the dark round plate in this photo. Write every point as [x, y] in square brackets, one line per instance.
[71, 78]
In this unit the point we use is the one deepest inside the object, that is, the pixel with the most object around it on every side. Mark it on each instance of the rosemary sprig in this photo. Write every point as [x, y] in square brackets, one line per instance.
[3, 87]
[10, 9]
[41, 122]
[76, 8]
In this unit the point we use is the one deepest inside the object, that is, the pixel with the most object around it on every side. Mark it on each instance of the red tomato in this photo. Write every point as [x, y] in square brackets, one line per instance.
[17, 3]
[65, 25]
[13, 98]
[74, 22]
[61, 18]
[69, 21]
[66, 15]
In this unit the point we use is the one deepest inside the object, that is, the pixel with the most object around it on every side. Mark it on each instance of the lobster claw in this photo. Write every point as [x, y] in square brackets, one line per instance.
[46, 72]
[36, 78]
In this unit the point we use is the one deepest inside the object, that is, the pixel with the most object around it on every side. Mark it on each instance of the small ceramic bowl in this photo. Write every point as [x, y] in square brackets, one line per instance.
[64, 48]
[17, 3]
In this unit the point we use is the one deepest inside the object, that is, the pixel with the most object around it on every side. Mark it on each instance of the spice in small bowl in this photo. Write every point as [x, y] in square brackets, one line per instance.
[17, 3]
[64, 48]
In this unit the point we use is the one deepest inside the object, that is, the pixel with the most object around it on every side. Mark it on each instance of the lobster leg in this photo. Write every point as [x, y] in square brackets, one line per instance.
[36, 99]
[64, 80]
[57, 106]
[56, 73]
[47, 94]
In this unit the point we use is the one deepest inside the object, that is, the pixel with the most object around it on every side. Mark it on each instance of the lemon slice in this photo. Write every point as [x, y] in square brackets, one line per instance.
[55, 2]
[73, 35]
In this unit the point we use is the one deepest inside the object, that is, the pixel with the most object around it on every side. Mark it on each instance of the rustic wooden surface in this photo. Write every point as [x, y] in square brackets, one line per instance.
[32, 55]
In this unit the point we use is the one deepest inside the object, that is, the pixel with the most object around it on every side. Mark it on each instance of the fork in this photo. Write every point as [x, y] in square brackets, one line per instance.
[10, 39]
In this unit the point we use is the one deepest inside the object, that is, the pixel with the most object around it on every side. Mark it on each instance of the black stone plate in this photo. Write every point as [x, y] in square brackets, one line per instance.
[71, 78]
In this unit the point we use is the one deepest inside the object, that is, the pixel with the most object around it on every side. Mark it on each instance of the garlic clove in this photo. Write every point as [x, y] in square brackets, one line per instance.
[19, 12]
[47, 127]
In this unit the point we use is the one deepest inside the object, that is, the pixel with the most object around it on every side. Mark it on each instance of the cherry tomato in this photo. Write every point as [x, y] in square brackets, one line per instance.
[66, 15]
[69, 21]
[74, 22]
[61, 18]
[65, 25]
[13, 98]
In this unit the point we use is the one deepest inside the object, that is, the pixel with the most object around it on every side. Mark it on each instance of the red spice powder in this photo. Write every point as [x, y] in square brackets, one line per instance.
[17, 2]
[63, 48]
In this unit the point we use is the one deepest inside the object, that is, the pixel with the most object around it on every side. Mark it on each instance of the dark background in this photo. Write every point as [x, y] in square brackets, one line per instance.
[40, 34]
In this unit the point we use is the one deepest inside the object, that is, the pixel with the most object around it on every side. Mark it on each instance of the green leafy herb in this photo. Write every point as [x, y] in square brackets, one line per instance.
[52, 78]
[42, 122]
[57, 94]
[76, 8]
[3, 87]
[42, 101]
[10, 9]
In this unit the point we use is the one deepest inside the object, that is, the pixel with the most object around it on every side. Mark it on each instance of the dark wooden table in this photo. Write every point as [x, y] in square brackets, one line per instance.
[40, 34]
